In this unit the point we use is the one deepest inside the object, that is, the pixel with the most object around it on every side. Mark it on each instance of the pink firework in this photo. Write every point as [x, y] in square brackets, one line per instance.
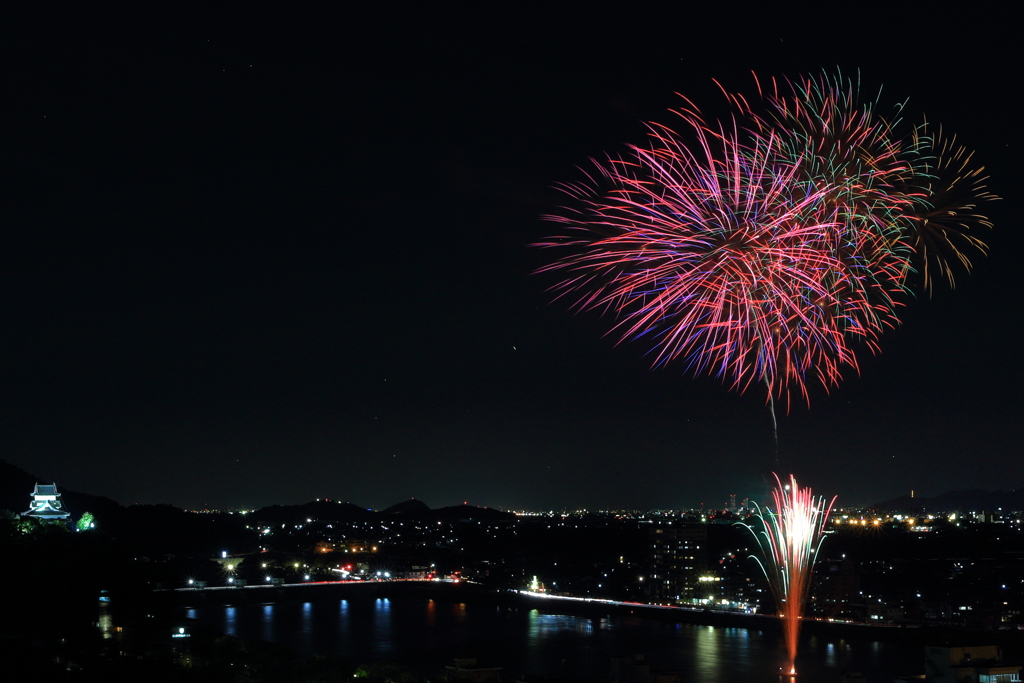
[728, 258]
[770, 252]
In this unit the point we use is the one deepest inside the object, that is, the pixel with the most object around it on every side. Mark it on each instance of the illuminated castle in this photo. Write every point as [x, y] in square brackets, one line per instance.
[46, 504]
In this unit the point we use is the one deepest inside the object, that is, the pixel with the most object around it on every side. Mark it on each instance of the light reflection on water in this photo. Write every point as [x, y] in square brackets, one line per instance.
[544, 629]
[541, 625]
[343, 628]
[707, 654]
[229, 620]
[307, 618]
[385, 641]
[427, 634]
[268, 623]
[431, 613]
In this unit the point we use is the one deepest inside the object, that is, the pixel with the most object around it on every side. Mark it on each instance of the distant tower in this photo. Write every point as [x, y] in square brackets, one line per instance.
[732, 502]
[46, 504]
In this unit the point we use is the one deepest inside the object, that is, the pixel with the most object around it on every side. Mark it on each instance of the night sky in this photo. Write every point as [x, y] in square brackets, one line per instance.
[258, 256]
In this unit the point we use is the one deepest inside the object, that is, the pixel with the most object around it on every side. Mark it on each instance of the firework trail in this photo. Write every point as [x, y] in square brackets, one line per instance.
[775, 425]
[790, 538]
[770, 248]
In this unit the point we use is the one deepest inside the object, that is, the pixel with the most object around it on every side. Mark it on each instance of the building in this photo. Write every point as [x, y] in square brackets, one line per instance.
[837, 591]
[982, 664]
[46, 504]
[678, 558]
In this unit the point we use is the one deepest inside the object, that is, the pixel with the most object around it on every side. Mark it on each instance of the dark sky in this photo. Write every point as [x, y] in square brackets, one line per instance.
[255, 256]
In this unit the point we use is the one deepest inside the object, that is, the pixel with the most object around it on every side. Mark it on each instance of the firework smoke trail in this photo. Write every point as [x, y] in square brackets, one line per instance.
[790, 539]
[775, 424]
[769, 247]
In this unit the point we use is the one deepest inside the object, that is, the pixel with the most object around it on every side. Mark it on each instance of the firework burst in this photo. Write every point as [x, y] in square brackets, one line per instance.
[941, 225]
[727, 258]
[765, 253]
[790, 537]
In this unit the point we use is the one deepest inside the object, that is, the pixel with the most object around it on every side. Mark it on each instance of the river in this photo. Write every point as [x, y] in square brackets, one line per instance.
[426, 634]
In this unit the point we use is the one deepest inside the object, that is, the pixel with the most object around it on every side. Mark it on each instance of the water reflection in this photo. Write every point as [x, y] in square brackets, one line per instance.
[343, 626]
[307, 618]
[524, 641]
[268, 622]
[229, 621]
[541, 625]
[384, 641]
[707, 653]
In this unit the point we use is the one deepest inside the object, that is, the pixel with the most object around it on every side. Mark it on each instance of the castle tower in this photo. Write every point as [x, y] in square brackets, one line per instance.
[46, 504]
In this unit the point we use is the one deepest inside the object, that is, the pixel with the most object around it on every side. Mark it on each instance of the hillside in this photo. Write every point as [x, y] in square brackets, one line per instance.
[966, 501]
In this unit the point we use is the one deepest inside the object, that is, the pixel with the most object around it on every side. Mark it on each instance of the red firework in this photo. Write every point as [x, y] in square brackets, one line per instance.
[762, 254]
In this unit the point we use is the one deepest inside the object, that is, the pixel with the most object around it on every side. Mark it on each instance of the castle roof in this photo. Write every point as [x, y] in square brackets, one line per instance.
[46, 503]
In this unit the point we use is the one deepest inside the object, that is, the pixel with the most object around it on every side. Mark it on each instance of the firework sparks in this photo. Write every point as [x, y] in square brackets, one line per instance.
[765, 253]
[790, 538]
[940, 226]
[728, 260]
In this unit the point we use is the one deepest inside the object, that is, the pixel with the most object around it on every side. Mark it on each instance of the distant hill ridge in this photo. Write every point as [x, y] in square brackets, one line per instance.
[411, 505]
[16, 487]
[330, 511]
[968, 501]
